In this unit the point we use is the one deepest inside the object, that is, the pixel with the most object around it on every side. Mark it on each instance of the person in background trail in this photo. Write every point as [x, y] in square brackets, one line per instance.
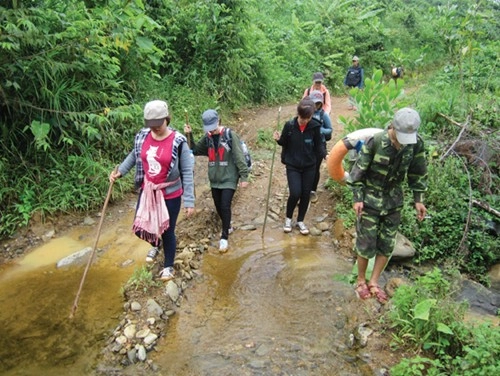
[163, 175]
[354, 77]
[326, 135]
[317, 84]
[376, 181]
[226, 167]
[302, 146]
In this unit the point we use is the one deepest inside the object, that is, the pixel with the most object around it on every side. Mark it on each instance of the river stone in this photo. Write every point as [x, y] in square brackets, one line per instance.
[154, 308]
[141, 353]
[403, 248]
[479, 297]
[121, 340]
[315, 231]
[172, 291]
[77, 258]
[323, 226]
[150, 338]
[88, 221]
[130, 331]
[249, 227]
[135, 306]
[143, 333]
[131, 355]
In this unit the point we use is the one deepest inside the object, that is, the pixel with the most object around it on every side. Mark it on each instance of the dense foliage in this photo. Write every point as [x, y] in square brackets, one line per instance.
[74, 76]
[426, 318]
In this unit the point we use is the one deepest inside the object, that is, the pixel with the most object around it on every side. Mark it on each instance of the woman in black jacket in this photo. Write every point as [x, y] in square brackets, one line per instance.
[301, 145]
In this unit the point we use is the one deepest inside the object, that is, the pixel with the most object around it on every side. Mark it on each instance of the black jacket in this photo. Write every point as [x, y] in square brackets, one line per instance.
[301, 150]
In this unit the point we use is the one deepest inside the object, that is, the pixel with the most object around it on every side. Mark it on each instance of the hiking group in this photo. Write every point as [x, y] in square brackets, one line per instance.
[380, 159]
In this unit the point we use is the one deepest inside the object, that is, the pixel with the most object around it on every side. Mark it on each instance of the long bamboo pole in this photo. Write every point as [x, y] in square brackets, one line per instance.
[91, 257]
[270, 178]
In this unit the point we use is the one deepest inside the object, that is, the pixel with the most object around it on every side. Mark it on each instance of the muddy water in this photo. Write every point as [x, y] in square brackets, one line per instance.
[265, 309]
[36, 335]
[261, 308]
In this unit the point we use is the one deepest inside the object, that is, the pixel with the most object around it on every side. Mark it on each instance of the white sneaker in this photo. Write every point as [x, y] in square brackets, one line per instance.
[223, 244]
[288, 225]
[314, 197]
[303, 229]
[152, 253]
[167, 273]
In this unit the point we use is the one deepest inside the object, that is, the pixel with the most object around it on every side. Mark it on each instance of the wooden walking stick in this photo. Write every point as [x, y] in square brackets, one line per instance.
[188, 135]
[270, 178]
[108, 196]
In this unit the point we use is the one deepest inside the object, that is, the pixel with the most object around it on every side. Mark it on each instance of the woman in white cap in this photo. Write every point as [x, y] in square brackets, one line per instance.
[163, 175]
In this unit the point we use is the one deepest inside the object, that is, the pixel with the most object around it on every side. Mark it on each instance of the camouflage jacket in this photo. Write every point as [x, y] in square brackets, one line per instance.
[377, 176]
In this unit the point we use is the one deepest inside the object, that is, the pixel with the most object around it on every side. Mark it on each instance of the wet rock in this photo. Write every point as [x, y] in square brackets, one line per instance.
[479, 297]
[48, 235]
[151, 320]
[127, 263]
[150, 339]
[143, 333]
[262, 350]
[153, 308]
[323, 226]
[141, 353]
[130, 331]
[131, 355]
[88, 221]
[363, 332]
[315, 231]
[250, 227]
[135, 306]
[172, 291]
[121, 340]
[77, 258]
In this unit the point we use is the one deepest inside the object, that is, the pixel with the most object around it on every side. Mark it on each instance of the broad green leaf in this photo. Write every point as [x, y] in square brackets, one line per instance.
[443, 328]
[422, 309]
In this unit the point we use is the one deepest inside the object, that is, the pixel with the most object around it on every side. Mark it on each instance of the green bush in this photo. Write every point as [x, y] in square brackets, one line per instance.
[451, 347]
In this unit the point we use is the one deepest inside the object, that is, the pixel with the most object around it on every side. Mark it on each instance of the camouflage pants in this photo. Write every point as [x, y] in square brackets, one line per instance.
[376, 232]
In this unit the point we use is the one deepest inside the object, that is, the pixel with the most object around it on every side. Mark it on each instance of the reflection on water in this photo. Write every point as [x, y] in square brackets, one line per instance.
[263, 309]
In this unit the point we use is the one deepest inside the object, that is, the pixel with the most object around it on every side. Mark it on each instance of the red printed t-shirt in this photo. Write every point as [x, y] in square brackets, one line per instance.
[156, 157]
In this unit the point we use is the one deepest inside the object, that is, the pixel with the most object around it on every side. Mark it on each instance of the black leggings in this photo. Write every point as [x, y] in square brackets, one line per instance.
[300, 184]
[222, 200]
[168, 237]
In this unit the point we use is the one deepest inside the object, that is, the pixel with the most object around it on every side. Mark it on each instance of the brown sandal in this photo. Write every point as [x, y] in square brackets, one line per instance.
[362, 291]
[378, 293]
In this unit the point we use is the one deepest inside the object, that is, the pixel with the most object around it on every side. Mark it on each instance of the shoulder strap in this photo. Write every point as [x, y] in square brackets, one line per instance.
[308, 91]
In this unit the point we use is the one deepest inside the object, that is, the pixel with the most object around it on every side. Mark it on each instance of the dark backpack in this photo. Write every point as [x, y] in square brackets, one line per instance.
[353, 76]
[228, 139]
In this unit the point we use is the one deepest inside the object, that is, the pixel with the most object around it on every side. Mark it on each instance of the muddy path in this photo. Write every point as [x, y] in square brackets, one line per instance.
[274, 304]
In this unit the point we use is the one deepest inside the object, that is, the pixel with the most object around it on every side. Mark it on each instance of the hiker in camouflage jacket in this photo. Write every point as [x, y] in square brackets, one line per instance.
[376, 181]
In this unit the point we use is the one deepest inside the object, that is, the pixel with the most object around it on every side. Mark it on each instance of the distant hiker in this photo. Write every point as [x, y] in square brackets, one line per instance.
[376, 180]
[354, 78]
[226, 167]
[396, 73]
[326, 135]
[302, 146]
[317, 84]
[163, 174]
